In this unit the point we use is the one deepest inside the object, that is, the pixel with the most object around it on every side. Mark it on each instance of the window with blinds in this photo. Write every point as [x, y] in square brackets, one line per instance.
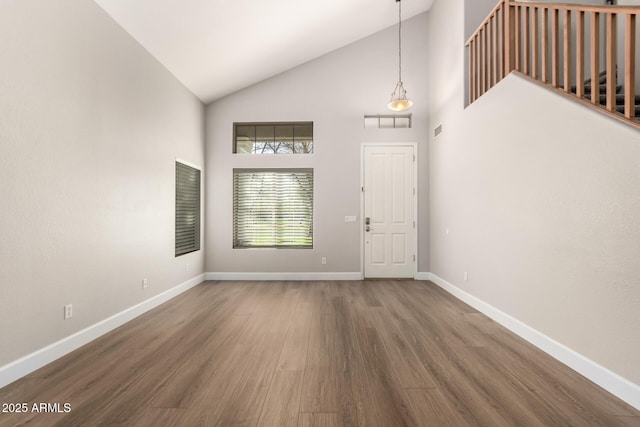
[187, 209]
[273, 208]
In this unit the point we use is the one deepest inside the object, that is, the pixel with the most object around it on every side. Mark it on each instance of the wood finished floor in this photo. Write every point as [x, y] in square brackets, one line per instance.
[375, 353]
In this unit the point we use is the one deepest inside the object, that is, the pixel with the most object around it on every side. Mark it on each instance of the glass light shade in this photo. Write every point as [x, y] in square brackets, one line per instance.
[399, 101]
[400, 104]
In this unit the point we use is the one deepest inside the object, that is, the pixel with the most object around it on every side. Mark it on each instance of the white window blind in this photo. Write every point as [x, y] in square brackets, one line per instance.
[273, 208]
[187, 209]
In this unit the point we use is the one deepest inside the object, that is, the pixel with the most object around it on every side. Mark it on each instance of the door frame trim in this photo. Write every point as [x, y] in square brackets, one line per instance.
[413, 145]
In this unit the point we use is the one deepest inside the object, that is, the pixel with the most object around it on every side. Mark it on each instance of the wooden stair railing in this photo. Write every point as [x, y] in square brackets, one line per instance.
[546, 43]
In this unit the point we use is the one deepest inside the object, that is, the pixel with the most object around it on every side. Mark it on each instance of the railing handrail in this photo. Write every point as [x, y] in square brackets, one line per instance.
[559, 6]
[579, 7]
[536, 40]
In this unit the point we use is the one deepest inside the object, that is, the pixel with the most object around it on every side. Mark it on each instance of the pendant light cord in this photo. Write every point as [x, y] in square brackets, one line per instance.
[399, 40]
[399, 101]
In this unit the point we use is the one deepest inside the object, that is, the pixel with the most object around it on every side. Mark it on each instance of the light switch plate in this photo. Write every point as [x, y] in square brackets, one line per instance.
[350, 218]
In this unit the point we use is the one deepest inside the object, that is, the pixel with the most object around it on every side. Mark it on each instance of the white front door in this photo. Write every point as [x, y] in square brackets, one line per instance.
[389, 223]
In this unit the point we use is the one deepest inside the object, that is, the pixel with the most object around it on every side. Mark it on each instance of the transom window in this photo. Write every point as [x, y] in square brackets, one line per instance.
[387, 121]
[273, 138]
[273, 208]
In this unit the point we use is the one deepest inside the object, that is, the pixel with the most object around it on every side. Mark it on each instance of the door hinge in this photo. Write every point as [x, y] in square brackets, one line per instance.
[414, 157]
[414, 258]
[362, 189]
[414, 191]
[414, 224]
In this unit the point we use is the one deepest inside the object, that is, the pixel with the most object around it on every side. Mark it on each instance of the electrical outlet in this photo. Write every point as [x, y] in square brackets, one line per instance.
[466, 276]
[68, 311]
[324, 260]
[187, 267]
[145, 283]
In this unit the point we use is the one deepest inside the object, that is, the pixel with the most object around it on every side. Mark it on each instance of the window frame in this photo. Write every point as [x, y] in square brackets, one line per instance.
[234, 142]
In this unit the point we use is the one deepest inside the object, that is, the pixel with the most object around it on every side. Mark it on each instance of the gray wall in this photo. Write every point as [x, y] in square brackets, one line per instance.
[540, 197]
[90, 125]
[334, 91]
[475, 11]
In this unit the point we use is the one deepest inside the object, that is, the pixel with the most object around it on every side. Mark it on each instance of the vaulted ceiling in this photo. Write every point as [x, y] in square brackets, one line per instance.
[216, 47]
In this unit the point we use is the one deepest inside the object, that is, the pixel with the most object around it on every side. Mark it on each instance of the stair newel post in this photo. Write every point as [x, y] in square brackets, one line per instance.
[630, 67]
[509, 43]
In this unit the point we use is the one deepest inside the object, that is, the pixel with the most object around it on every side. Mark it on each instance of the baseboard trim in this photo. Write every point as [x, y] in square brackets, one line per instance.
[283, 276]
[610, 381]
[31, 362]
[422, 276]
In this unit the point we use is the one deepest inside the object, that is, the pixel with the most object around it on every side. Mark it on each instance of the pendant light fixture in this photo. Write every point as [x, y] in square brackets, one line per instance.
[399, 101]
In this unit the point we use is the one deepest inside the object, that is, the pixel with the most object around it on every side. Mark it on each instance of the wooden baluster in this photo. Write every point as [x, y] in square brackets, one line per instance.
[595, 58]
[580, 55]
[544, 65]
[567, 51]
[494, 41]
[526, 41]
[555, 49]
[509, 37]
[500, 43]
[518, 39]
[481, 60]
[611, 61]
[476, 75]
[535, 47]
[485, 40]
[491, 53]
[472, 70]
[630, 68]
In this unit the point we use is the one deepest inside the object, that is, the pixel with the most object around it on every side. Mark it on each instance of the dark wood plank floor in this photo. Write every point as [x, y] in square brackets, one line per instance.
[374, 353]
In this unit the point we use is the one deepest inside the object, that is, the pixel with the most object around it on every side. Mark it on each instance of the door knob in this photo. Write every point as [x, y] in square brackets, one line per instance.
[367, 228]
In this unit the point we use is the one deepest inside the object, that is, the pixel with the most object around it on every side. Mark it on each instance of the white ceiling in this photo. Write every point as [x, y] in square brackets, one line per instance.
[216, 47]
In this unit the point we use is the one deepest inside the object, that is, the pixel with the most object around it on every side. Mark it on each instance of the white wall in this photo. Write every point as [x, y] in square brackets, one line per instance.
[540, 197]
[334, 91]
[90, 125]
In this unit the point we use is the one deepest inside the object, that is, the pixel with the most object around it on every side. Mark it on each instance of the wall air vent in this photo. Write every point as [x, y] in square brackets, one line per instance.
[437, 131]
